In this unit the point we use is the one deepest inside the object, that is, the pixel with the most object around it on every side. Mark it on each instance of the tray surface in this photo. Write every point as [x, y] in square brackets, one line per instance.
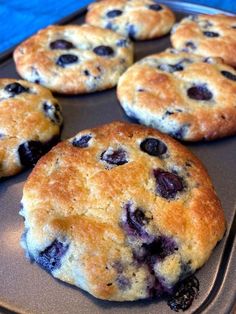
[26, 288]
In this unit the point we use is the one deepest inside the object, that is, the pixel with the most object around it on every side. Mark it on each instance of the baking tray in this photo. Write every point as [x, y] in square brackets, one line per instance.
[26, 288]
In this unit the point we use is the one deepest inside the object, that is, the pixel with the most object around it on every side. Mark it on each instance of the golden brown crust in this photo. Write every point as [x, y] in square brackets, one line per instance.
[35, 61]
[133, 20]
[192, 30]
[74, 196]
[149, 92]
[23, 119]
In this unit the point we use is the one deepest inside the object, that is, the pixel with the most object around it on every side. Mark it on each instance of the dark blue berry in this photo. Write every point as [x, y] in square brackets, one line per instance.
[153, 147]
[117, 157]
[53, 112]
[131, 31]
[66, 59]
[136, 220]
[199, 92]
[103, 51]
[16, 89]
[50, 258]
[161, 247]
[123, 282]
[171, 68]
[82, 142]
[211, 34]
[122, 43]
[86, 72]
[61, 44]
[155, 7]
[184, 294]
[180, 133]
[229, 75]
[190, 45]
[168, 184]
[114, 13]
[30, 152]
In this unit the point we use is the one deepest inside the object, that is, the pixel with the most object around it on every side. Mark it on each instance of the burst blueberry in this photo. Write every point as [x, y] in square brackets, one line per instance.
[155, 7]
[30, 152]
[211, 34]
[82, 142]
[168, 183]
[53, 112]
[171, 68]
[50, 258]
[115, 157]
[153, 147]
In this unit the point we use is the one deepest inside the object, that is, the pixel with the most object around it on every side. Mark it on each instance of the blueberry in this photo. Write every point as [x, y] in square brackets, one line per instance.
[16, 89]
[211, 34]
[123, 282]
[155, 7]
[122, 43]
[61, 44]
[136, 220]
[168, 184]
[184, 294]
[131, 31]
[50, 258]
[190, 45]
[103, 51]
[82, 142]
[114, 13]
[170, 68]
[199, 92]
[86, 73]
[30, 152]
[229, 75]
[115, 157]
[180, 133]
[153, 147]
[161, 247]
[109, 25]
[156, 289]
[66, 59]
[53, 112]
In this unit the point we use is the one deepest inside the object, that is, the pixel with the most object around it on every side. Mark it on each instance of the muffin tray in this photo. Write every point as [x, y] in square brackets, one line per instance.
[26, 288]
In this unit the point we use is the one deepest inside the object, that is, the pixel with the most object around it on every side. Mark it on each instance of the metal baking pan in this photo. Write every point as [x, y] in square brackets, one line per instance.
[26, 288]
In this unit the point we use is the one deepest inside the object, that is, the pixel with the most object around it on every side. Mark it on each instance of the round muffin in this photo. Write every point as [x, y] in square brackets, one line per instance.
[121, 211]
[137, 19]
[189, 97]
[207, 35]
[30, 120]
[74, 59]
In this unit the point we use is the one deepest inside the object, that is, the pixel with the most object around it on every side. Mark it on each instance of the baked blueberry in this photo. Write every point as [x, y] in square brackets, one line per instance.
[116, 157]
[153, 147]
[66, 59]
[155, 7]
[131, 31]
[190, 45]
[171, 68]
[50, 258]
[181, 132]
[53, 111]
[122, 43]
[15, 89]
[61, 44]
[82, 142]
[168, 183]
[123, 282]
[184, 294]
[30, 152]
[199, 92]
[114, 13]
[211, 34]
[229, 75]
[103, 51]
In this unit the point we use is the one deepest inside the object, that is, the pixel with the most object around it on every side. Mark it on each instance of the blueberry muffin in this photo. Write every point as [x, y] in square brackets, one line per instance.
[190, 97]
[121, 211]
[74, 59]
[30, 121]
[136, 19]
[207, 35]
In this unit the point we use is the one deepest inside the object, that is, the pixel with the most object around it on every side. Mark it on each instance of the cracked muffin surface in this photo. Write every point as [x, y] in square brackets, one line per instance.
[121, 211]
[30, 122]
